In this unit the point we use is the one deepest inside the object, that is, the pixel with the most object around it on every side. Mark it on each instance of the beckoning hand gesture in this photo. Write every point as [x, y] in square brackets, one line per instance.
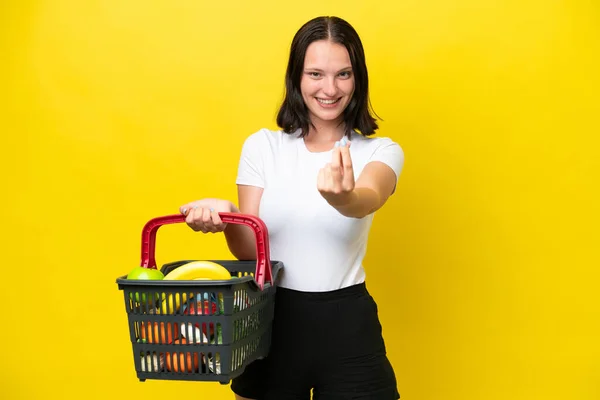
[336, 180]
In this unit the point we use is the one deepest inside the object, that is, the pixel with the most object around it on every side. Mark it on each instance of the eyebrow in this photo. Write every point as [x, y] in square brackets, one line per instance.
[320, 70]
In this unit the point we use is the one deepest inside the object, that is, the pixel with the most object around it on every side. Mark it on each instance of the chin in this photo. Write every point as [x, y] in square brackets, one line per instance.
[328, 116]
[331, 119]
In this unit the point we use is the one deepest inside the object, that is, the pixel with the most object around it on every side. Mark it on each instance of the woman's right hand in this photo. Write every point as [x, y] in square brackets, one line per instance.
[202, 215]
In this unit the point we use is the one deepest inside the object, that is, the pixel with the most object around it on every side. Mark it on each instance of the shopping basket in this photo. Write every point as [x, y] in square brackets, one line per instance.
[211, 329]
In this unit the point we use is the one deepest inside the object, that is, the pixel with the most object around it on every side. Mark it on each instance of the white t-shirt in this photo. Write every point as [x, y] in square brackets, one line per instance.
[321, 249]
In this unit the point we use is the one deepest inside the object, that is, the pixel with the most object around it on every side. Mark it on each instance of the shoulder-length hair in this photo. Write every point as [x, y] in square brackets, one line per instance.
[293, 113]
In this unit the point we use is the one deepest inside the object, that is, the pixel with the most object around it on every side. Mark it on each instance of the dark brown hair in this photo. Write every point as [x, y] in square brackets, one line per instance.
[293, 113]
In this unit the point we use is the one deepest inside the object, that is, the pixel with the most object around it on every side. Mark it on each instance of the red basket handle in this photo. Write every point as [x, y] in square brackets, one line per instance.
[263, 262]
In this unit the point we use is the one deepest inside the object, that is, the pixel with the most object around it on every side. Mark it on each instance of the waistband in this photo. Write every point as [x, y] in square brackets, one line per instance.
[349, 292]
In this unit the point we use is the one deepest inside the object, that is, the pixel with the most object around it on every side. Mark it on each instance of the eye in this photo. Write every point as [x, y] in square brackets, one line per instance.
[345, 74]
[314, 74]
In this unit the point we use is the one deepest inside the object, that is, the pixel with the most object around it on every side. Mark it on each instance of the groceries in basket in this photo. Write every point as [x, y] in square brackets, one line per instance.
[193, 270]
[199, 320]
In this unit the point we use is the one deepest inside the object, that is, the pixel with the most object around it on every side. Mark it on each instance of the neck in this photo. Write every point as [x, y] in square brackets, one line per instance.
[325, 131]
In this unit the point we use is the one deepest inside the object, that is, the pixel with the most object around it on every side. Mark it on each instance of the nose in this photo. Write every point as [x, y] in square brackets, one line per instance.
[329, 87]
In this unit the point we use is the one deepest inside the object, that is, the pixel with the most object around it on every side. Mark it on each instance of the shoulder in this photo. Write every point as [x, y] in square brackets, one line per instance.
[382, 149]
[375, 144]
[265, 138]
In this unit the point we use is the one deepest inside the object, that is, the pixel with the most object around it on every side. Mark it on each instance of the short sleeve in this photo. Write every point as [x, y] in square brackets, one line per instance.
[251, 166]
[389, 153]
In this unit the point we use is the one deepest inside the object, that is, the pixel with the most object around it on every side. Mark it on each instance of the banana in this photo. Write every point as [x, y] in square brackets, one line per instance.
[195, 270]
[198, 270]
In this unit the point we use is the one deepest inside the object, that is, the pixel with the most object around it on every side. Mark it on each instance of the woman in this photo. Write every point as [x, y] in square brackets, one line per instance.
[316, 183]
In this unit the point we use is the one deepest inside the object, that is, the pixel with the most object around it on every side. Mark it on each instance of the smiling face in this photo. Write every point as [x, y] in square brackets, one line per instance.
[327, 83]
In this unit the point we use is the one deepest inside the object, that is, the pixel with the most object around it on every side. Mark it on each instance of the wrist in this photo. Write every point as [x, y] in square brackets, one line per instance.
[233, 208]
[343, 200]
[358, 204]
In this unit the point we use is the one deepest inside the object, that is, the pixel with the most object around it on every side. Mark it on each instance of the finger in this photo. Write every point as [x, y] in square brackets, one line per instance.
[346, 159]
[207, 222]
[189, 218]
[216, 220]
[348, 181]
[336, 160]
[192, 219]
[199, 222]
[185, 209]
[335, 167]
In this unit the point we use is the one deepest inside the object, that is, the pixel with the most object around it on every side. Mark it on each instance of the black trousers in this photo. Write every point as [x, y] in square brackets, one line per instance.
[327, 342]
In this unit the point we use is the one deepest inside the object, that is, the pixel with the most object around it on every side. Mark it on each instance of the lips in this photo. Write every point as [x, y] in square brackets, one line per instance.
[328, 103]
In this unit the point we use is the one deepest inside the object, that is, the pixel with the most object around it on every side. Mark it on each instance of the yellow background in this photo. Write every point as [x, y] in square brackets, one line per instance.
[484, 263]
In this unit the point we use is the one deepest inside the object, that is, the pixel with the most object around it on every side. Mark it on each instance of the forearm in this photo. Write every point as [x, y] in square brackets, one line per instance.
[359, 203]
[240, 239]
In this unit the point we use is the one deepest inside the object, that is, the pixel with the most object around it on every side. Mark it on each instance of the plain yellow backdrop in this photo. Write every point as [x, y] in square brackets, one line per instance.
[484, 262]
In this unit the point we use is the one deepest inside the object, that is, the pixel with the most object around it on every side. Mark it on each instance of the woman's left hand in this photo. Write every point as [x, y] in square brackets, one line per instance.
[336, 180]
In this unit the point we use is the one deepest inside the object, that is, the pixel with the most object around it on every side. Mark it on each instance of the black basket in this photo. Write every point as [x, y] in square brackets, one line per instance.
[201, 330]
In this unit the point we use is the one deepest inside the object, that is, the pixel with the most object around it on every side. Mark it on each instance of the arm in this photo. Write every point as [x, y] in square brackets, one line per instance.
[240, 238]
[355, 199]
[203, 215]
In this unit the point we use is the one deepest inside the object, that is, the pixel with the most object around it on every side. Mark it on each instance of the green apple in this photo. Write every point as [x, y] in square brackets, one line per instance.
[141, 273]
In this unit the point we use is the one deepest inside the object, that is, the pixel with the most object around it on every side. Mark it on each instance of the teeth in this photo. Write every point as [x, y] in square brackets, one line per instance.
[326, 101]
